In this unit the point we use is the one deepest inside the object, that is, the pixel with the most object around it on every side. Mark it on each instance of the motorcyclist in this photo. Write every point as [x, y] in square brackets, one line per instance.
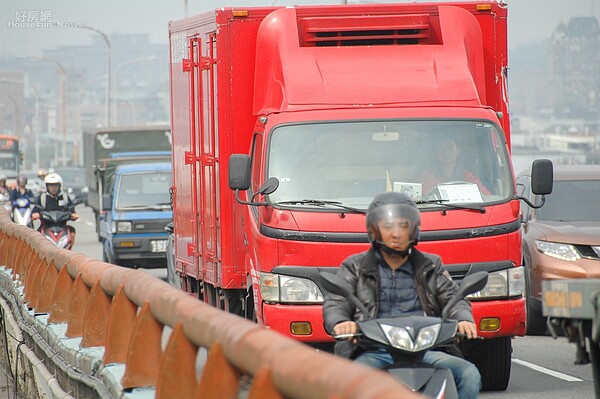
[394, 278]
[54, 199]
[3, 187]
[21, 190]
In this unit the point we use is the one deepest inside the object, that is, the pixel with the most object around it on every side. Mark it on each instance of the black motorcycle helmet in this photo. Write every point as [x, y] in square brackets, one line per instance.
[22, 180]
[390, 206]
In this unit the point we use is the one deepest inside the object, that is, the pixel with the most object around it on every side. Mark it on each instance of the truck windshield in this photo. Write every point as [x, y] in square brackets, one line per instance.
[434, 162]
[143, 191]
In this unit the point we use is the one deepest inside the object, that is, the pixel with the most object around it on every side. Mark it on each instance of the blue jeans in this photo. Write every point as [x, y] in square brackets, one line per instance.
[466, 375]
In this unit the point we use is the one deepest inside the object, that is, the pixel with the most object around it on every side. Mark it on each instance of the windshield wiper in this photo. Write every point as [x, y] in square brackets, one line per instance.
[322, 203]
[132, 207]
[443, 202]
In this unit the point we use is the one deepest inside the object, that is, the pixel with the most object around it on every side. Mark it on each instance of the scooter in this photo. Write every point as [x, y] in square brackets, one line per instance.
[21, 212]
[408, 338]
[5, 201]
[54, 227]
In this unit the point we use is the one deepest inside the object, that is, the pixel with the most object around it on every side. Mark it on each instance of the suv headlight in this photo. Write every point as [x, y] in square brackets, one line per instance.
[278, 288]
[502, 284]
[557, 250]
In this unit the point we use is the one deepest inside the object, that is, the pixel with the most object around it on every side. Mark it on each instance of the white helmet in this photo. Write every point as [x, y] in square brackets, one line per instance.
[53, 178]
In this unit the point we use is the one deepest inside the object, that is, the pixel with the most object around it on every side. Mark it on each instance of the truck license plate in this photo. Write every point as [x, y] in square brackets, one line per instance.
[158, 245]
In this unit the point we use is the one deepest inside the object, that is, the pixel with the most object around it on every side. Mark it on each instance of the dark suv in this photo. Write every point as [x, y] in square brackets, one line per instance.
[562, 238]
[74, 183]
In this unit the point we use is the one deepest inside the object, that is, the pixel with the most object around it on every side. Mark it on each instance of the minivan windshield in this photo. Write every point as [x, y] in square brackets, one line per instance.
[143, 191]
[435, 162]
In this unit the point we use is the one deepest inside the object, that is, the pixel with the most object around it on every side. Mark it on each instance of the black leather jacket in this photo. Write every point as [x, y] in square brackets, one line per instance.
[434, 286]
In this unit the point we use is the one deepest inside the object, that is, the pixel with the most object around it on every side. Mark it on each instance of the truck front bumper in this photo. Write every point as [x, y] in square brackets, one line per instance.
[286, 319]
[509, 314]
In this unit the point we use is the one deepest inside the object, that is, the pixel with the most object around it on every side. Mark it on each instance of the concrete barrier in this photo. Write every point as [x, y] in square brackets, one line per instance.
[78, 327]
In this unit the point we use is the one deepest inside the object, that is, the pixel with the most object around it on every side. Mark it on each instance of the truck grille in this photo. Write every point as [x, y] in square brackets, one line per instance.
[146, 226]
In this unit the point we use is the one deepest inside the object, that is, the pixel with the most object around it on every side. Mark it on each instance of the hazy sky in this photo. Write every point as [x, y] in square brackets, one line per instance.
[528, 19]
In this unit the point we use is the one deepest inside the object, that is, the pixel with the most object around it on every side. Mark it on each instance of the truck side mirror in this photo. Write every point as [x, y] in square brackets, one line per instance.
[106, 202]
[542, 177]
[239, 172]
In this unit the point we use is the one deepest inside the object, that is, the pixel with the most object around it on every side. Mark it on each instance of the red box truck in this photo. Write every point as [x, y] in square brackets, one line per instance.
[286, 121]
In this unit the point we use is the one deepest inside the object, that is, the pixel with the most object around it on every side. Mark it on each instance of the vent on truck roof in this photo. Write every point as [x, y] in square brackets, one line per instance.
[368, 30]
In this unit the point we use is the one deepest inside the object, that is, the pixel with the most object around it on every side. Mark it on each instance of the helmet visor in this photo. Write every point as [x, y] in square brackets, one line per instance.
[390, 216]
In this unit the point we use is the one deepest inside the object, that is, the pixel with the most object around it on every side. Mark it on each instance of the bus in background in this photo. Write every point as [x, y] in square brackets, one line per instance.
[10, 158]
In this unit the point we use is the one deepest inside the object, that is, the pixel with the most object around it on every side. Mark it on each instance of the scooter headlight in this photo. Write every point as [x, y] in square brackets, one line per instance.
[63, 241]
[22, 202]
[400, 338]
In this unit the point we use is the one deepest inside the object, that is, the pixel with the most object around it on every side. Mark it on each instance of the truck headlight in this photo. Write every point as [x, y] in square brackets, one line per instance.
[502, 284]
[277, 288]
[124, 227]
[557, 250]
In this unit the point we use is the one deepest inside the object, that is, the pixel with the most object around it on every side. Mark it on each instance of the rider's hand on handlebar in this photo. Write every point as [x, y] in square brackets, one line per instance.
[74, 216]
[468, 329]
[346, 327]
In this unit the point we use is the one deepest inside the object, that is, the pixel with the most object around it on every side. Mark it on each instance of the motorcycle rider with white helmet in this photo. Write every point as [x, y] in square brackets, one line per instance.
[54, 199]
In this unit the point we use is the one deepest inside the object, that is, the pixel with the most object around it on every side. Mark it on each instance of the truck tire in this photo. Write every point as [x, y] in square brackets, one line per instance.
[209, 294]
[232, 301]
[494, 363]
[536, 322]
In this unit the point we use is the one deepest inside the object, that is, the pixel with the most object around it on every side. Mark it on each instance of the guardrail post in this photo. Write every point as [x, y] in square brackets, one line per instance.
[36, 284]
[61, 296]
[219, 378]
[177, 372]
[121, 320]
[96, 317]
[262, 386]
[79, 296]
[47, 289]
[144, 351]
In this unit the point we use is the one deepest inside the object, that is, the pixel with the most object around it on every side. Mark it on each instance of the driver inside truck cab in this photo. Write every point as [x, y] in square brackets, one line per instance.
[446, 166]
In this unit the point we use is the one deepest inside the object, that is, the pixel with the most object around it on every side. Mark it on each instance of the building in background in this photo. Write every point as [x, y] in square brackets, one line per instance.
[575, 69]
[139, 93]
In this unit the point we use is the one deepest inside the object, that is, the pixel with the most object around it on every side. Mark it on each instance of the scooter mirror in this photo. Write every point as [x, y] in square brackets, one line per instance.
[473, 283]
[335, 284]
[469, 285]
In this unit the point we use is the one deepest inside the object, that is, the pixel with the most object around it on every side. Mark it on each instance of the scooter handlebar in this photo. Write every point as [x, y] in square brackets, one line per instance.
[343, 337]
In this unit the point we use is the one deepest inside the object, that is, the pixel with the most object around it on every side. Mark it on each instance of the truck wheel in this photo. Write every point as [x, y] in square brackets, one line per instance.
[232, 302]
[209, 294]
[250, 312]
[536, 322]
[493, 362]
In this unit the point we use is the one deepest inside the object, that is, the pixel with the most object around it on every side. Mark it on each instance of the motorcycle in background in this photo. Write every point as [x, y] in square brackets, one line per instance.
[21, 212]
[5, 201]
[54, 227]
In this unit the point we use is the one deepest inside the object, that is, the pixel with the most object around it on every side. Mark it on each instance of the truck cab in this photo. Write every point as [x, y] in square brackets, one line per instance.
[136, 211]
